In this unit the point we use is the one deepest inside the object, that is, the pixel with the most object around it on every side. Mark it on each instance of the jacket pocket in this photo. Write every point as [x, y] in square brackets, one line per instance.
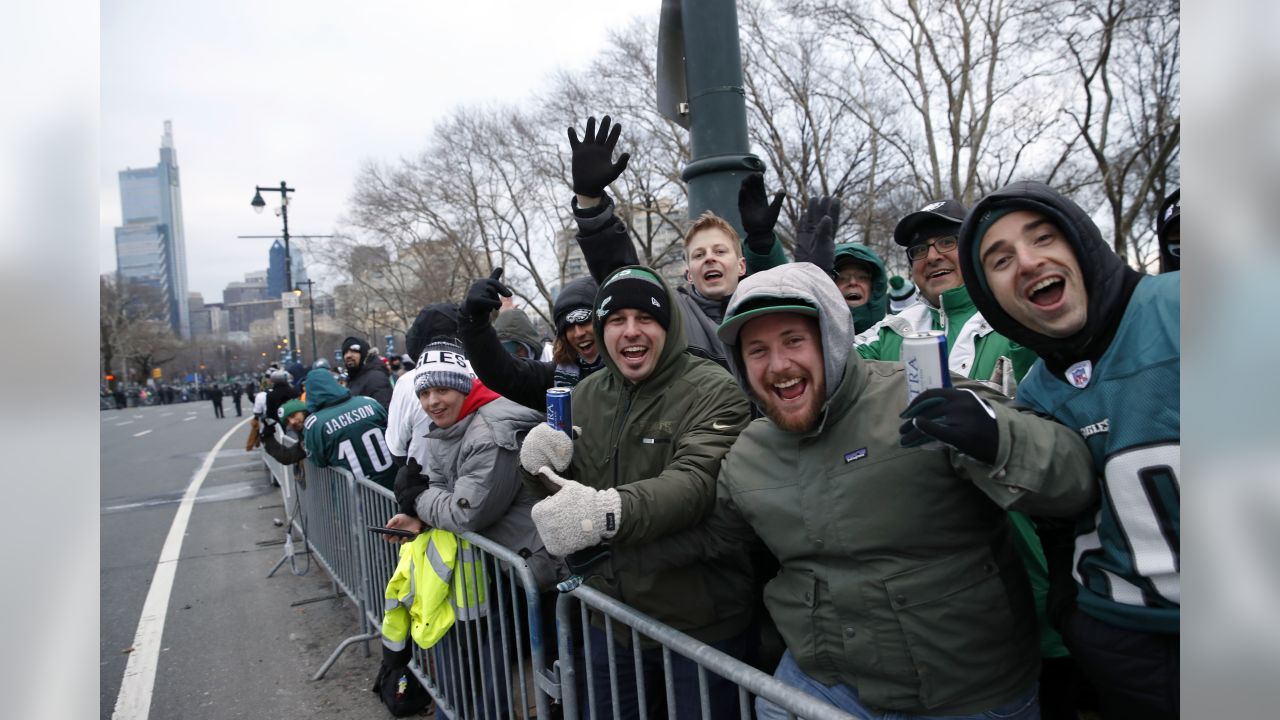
[962, 635]
[791, 598]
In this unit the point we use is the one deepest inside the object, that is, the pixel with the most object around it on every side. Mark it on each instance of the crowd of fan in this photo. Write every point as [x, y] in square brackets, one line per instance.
[744, 463]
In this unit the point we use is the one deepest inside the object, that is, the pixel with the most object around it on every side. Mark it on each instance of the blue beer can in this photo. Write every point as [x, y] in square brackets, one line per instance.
[559, 415]
[924, 354]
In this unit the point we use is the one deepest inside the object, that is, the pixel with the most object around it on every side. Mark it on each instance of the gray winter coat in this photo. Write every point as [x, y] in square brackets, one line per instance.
[475, 485]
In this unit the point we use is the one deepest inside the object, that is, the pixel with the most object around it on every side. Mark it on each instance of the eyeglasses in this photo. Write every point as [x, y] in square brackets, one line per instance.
[943, 244]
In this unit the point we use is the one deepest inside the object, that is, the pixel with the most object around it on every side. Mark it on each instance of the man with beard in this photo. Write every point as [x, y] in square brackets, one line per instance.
[900, 588]
[366, 375]
[1110, 362]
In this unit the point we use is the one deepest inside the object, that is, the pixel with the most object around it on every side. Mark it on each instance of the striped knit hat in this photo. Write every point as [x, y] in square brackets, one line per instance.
[443, 365]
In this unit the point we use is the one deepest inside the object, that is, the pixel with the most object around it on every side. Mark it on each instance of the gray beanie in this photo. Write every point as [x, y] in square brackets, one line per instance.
[443, 365]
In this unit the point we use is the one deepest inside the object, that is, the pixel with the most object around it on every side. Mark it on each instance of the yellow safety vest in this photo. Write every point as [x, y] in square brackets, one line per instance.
[418, 597]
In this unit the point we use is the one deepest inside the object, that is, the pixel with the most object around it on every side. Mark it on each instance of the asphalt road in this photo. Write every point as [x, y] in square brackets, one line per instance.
[233, 647]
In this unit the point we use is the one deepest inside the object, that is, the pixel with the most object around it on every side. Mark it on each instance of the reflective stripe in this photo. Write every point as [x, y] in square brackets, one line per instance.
[469, 599]
[393, 644]
[443, 571]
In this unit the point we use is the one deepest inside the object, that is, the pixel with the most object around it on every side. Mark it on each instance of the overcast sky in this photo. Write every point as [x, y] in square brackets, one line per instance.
[305, 92]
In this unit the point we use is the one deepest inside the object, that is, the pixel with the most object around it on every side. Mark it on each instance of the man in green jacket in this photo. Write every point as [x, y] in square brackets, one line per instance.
[654, 426]
[900, 588]
[347, 431]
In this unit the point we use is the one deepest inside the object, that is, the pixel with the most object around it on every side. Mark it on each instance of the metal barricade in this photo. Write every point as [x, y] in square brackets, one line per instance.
[708, 660]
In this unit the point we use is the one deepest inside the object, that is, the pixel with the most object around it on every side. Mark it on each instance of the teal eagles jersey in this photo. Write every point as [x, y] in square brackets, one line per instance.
[1128, 408]
[351, 435]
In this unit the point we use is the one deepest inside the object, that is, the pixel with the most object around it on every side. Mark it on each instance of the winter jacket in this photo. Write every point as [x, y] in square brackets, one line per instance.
[346, 431]
[898, 574]
[371, 380]
[418, 602]
[514, 325]
[607, 246]
[280, 393]
[870, 313]
[659, 442]
[972, 346]
[284, 454]
[521, 380]
[475, 486]
[1116, 383]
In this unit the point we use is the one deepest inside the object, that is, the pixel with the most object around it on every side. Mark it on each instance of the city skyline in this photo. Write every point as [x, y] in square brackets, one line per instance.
[252, 105]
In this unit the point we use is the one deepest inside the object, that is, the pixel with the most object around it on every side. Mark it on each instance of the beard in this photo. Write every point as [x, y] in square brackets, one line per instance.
[800, 420]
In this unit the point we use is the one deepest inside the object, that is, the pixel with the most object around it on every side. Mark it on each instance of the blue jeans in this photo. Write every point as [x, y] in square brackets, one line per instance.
[684, 676]
[1025, 707]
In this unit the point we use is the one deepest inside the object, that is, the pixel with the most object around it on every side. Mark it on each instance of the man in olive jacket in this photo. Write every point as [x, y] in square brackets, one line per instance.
[654, 427]
[900, 589]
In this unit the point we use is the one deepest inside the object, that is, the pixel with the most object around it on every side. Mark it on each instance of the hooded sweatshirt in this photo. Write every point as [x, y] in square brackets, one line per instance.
[894, 561]
[873, 311]
[1116, 382]
[515, 326]
[346, 431]
[659, 442]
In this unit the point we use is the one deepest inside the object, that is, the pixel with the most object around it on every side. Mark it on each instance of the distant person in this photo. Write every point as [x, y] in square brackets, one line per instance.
[293, 415]
[215, 395]
[236, 392]
[282, 391]
[366, 375]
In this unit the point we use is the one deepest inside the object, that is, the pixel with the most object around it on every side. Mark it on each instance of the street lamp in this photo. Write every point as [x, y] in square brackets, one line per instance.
[311, 310]
[258, 204]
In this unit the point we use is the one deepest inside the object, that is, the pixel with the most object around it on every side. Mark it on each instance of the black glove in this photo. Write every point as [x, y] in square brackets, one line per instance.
[593, 166]
[956, 417]
[482, 298]
[815, 241]
[757, 213]
[410, 483]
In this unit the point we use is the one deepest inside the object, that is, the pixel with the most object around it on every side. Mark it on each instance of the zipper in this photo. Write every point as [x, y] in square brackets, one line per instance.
[617, 431]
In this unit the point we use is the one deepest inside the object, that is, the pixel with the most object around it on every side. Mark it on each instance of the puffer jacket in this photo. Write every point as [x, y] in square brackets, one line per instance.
[659, 442]
[475, 485]
[899, 574]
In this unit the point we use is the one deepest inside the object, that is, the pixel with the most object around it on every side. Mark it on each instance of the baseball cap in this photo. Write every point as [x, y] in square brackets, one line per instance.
[940, 212]
[758, 306]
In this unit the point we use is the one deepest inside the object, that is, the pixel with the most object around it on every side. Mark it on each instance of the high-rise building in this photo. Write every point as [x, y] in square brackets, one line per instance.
[150, 243]
[276, 283]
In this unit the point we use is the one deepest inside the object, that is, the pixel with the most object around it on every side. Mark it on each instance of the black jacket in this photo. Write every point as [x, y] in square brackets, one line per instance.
[280, 393]
[371, 380]
[284, 454]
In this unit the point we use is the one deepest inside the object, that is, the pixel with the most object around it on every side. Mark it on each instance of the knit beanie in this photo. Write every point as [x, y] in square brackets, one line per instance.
[900, 288]
[637, 288]
[291, 407]
[573, 304]
[443, 365]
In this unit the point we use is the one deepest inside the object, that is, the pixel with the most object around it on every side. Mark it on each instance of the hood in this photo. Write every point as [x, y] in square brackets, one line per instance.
[805, 282]
[515, 325]
[433, 321]
[672, 348]
[323, 390]
[713, 309]
[873, 312]
[580, 293]
[1107, 279]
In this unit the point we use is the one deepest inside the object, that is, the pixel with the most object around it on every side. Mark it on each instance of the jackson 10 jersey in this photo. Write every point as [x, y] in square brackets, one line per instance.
[1128, 409]
[351, 435]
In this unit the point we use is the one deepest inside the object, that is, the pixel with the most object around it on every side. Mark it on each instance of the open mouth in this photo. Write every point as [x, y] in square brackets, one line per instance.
[790, 389]
[853, 296]
[1047, 292]
[712, 275]
[634, 353]
[939, 273]
[585, 346]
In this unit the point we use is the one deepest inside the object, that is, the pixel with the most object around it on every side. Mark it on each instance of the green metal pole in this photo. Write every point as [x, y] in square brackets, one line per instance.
[717, 109]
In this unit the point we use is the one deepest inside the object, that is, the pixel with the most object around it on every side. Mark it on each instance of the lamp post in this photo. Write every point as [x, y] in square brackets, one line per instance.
[258, 203]
[311, 310]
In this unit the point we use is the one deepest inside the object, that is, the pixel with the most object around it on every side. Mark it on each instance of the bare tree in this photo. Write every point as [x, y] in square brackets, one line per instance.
[1126, 59]
[133, 328]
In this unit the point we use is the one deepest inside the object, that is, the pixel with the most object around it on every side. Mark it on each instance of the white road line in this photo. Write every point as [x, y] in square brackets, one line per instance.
[138, 417]
[189, 417]
[165, 414]
[134, 700]
[140, 434]
[126, 422]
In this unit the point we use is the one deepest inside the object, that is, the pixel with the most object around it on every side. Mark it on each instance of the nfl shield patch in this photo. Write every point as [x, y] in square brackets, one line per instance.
[1080, 374]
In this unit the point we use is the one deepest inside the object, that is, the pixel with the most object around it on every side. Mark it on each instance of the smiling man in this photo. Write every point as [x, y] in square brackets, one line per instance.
[974, 348]
[900, 587]
[654, 427]
[1110, 362]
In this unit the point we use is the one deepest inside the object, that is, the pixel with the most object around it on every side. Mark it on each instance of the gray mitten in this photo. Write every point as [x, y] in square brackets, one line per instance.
[545, 446]
[576, 516]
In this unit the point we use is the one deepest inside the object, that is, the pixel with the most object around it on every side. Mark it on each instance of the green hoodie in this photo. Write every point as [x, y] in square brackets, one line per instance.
[864, 316]
[659, 442]
[345, 431]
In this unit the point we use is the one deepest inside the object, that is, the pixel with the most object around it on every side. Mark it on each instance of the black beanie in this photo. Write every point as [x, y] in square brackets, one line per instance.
[576, 295]
[637, 288]
[355, 343]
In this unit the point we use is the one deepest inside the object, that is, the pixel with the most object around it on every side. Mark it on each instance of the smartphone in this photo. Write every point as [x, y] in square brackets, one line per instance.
[392, 531]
